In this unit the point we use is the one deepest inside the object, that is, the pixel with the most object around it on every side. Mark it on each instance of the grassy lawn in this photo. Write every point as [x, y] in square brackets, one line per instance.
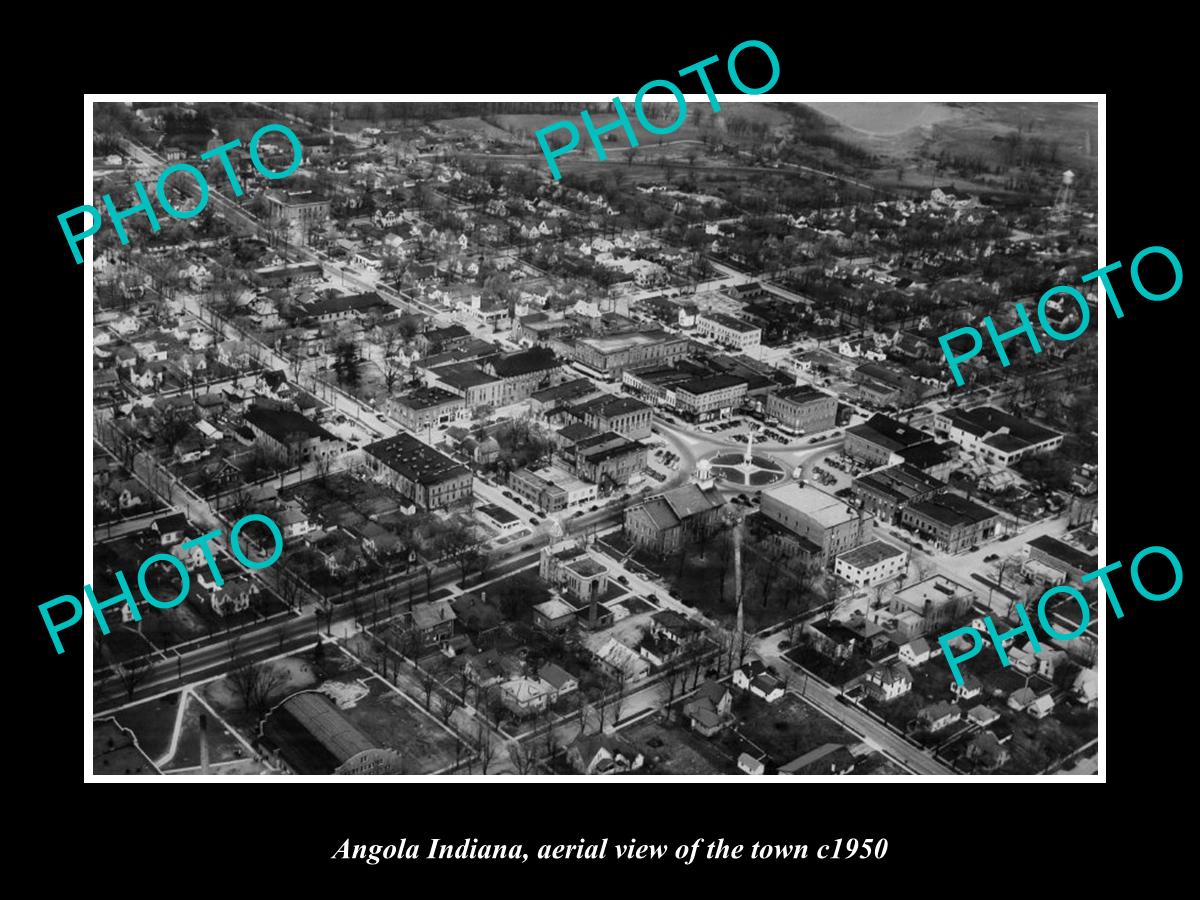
[678, 751]
[153, 722]
[394, 722]
[783, 730]
[834, 672]
[222, 745]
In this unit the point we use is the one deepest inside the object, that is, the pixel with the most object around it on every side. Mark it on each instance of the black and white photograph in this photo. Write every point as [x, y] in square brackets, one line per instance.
[513, 437]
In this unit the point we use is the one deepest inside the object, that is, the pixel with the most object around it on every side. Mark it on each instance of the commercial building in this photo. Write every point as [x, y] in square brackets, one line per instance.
[729, 331]
[885, 492]
[952, 522]
[467, 380]
[521, 373]
[608, 356]
[664, 522]
[937, 459]
[881, 439]
[418, 472]
[709, 398]
[1056, 562]
[872, 563]
[427, 407]
[802, 409]
[552, 488]
[624, 415]
[291, 437]
[994, 435]
[299, 211]
[549, 403]
[822, 525]
[607, 459]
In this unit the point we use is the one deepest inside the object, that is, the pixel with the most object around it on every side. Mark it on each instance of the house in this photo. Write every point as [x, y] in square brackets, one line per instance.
[603, 754]
[434, 622]
[986, 751]
[708, 709]
[828, 759]
[755, 677]
[982, 715]
[235, 597]
[293, 522]
[553, 615]
[750, 765]
[1048, 662]
[488, 668]
[525, 696]
[939, 715]
[970, 688]
[559, 680]
[1041, 707]
[887, 682]
[1021, 699]
[1086, 687]
[917, 651]
[1022, 659]
[170, 529]
[831, 639]
[622, 661]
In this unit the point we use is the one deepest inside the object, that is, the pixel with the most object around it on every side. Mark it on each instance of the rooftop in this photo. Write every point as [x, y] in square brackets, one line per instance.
[827, 510]
[887, 432]
[415, 460]
[870, 554]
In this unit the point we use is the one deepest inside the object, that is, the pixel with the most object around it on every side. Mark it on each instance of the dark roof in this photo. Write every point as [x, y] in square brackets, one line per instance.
[952, 510]
[801, 393]
[888, 433]
[610, 406]
[901, 483]
[284, 425]
[984, 420]
[416, 460]
[425, 397]
[711, 383]
[312, 735]
[523, 362]
[928, 454]
[355, 302]
[1056, 549]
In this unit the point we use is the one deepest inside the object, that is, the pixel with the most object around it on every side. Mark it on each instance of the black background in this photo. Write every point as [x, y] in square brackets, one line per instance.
[942, 836]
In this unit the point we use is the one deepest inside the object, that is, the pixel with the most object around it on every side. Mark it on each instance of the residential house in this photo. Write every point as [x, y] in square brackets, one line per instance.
[433, 621]
[751, 766]
[917, 651]
[709, 708]
[603, 754]
[828, 759]
[986, 752]
[525, 696]
[234, 597]
[559, 680]
[888, 682]
[170, 529]
[970, 688]
[939, 715]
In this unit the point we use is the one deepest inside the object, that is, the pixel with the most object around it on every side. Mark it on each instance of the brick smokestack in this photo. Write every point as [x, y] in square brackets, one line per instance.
[203, 744]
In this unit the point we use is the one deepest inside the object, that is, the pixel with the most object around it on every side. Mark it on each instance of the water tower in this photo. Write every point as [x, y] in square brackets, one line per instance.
[1063, 199]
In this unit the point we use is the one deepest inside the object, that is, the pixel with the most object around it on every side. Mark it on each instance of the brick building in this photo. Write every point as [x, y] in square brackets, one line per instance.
[418, 472]
[802, 408]
[952, 522]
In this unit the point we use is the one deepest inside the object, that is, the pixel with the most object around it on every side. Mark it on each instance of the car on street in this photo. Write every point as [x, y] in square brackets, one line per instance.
[623, 580]
[534, 520]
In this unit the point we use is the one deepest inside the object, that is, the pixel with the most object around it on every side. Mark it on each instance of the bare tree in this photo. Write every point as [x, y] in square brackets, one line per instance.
[449, 704]
[524, 758]
[131, 674]
[256, 685]
[486, 746]
[617, 681]
[428, 683]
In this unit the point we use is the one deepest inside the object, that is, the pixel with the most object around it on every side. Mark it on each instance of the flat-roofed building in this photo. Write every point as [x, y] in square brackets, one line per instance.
[802, 408]
[608, 355]
[300, 211]
[292, 437]
[709, 398]
[574, 572]
[729, 331]
[926, 606]
[885, 492]
[825, 525]
[418, 472]
[468, 381]
[551, 488]
[523, 372]
[871, 563]
[625, 415]
[609, 459]
[952, 522]
[427, 407]
[994, 435]
[550, 402]
[878, 440]
[1055, 561]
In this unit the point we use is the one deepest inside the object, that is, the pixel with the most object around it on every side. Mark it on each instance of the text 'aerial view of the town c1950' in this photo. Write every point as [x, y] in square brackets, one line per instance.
[654, 469]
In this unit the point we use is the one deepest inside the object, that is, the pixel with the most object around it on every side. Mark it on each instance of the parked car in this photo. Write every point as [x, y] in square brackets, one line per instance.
[623, 580]
[533, 520]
